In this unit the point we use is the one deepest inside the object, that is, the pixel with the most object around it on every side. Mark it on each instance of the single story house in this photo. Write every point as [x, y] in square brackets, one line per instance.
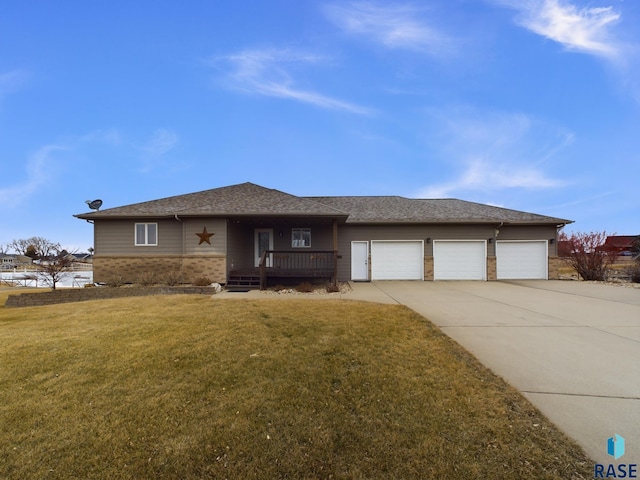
[12, 260]
[623, 245]
[246, 234]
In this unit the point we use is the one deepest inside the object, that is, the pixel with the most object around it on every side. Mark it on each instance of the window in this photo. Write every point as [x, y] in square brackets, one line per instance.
[301, 237]
[146, 234]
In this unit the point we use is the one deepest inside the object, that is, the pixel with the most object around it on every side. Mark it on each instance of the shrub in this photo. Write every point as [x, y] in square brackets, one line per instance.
[115, 280]
[147, 278]
[203, 281]
[635, 273]
[305, 287]
[587, 254]
[333, 288]
[173, 278]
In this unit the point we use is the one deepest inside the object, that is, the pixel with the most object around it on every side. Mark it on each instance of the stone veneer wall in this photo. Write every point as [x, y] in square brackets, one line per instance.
[428, 269]
[130, 269]
[99, 293]
[492, 268]
[554, 267]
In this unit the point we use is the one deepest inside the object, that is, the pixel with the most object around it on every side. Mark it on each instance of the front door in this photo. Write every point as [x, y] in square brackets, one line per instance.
[360, 261]
[263, 241]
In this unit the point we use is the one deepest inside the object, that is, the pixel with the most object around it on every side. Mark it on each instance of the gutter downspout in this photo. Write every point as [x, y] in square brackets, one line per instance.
[184, 234]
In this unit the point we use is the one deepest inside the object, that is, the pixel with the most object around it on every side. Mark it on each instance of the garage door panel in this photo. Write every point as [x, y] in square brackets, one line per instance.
[459, 260]
[521, 260]
[397, 260]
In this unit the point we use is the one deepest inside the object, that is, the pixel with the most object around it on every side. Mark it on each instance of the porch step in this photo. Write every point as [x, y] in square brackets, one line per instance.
[243, 281]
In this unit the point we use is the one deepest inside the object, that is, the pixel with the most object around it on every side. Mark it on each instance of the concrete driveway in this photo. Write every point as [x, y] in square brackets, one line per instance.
[573, 349]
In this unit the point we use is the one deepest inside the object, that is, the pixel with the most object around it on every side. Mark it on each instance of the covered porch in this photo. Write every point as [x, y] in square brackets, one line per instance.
[286, 264]
[281, 248]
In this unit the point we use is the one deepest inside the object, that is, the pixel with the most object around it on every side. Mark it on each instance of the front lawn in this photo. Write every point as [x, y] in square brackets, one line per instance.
[192, 387]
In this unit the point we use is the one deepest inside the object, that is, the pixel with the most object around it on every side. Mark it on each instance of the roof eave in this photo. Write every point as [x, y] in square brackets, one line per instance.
[555, 222]
[129, 216]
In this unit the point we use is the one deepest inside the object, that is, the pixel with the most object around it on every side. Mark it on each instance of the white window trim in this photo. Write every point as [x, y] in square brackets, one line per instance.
[146, 235]
[293, 244]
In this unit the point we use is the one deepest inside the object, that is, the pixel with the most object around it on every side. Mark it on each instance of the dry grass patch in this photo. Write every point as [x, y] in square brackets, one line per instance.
[190, 387]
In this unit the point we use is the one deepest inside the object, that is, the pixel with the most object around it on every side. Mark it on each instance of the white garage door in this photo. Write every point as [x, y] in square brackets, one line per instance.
[521, 260]
[397, 260]
[459, 260]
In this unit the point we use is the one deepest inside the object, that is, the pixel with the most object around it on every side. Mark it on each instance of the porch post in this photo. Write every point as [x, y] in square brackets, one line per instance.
[335, 252]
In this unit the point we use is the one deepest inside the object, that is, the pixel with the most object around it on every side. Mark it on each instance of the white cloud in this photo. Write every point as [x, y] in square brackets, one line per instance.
[267, 72]
[597, 31]
[396, 27]
[484, 175]
[12, 81]
[494, 151]
[159, 144]
[39, 173]
[586, 29]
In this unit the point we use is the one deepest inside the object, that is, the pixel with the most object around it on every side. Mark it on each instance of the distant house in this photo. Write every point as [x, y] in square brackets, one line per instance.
[81, 257]
[9, 260]
[233, 234]
[623, 245]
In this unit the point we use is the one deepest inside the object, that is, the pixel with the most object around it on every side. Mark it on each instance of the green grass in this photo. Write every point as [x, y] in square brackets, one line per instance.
[193, 387]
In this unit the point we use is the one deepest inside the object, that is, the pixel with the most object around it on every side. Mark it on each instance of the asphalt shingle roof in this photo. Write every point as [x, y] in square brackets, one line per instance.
[248, 199]
[411, 210]
[245, 199]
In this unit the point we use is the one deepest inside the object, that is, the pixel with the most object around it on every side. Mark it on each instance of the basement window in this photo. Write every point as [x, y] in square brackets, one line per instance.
[146, 234]
[301, 237]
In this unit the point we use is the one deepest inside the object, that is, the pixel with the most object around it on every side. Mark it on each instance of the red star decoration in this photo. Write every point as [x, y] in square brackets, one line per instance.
[205, 236]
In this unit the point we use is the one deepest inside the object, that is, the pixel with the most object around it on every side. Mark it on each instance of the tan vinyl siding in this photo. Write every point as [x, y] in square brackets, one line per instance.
[117, 237]
[542, 232]
[215, 226]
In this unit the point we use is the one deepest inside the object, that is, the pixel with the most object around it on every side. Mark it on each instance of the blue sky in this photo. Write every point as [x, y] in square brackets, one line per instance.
[527, 104]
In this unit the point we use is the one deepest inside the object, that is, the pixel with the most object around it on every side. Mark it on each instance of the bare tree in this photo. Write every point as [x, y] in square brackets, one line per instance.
[53, 259]
[587, 254]
[54, 266]
[19, 246]
[36, 247]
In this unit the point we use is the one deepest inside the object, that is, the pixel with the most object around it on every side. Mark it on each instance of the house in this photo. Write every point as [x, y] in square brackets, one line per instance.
[81, 257]
[623, 245]
[247, 234]
[10, 260]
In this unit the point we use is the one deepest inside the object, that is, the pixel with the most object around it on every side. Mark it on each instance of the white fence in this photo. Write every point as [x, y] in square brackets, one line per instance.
[33, 278]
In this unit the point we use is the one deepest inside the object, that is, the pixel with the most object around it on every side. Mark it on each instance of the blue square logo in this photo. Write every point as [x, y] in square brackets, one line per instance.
[615, 446]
